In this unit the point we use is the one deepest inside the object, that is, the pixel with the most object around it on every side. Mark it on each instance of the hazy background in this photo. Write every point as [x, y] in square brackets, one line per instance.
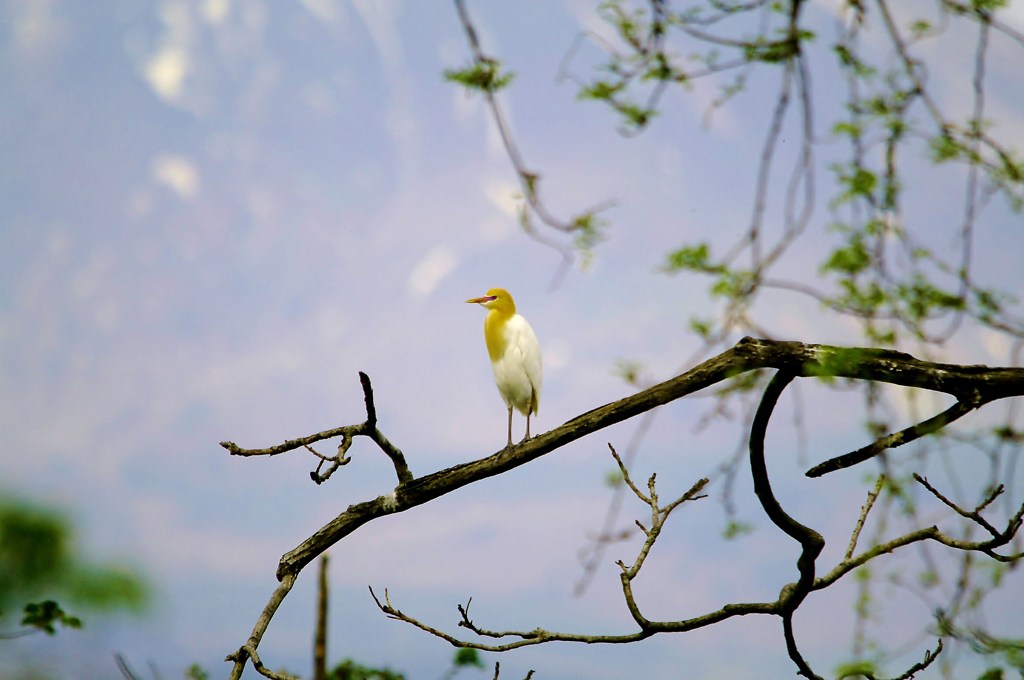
[214, 213]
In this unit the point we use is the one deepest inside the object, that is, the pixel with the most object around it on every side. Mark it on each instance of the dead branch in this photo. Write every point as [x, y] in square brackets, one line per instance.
[865, 509]
[367, 428]
[248, 650]
[976, 385]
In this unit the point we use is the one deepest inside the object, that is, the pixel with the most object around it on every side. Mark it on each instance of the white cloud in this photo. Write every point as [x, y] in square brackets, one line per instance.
[326, 11]
[431, 270]
[168, 67]
[216, 11]
[503, 195]
[166, 72]
[177, 173]
[36, 28]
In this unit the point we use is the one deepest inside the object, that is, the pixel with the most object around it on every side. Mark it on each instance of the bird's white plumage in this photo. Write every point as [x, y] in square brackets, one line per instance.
[517, 371]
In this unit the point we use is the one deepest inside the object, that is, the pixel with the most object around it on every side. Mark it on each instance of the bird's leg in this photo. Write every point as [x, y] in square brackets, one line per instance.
[509, 426]
[529, 410]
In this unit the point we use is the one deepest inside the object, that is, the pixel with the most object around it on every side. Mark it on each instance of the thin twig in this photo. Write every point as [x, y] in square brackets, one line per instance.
[864, 510]
[348, 433]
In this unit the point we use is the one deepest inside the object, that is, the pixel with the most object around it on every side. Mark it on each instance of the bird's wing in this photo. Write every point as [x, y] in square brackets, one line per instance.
[528, 347]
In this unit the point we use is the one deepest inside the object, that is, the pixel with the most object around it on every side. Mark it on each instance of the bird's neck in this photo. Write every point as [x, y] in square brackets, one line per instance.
[494, 331]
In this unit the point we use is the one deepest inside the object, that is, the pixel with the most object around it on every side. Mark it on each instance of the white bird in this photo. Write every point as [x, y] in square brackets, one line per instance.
[515, 355]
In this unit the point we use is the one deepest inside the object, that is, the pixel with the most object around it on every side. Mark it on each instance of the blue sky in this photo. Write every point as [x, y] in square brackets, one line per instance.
[213, 214]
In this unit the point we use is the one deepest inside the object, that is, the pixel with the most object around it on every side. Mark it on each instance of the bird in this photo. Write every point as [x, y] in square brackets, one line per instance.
[515, 355]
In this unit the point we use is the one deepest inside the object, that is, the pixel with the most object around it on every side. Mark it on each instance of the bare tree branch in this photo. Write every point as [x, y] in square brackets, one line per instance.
[248, 650]
[865, 509]
[891, 441]
[529, 180]
[368, 428]
[977, 385]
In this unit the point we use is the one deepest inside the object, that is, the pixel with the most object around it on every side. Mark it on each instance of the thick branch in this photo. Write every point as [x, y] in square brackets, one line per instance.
[978, 384]
[811, 542]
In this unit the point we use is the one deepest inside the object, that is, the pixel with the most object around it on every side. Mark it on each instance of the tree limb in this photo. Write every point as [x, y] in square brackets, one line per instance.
[367, 428]
[811, 542]
[980, 384]
[891, 441]
[977, 385]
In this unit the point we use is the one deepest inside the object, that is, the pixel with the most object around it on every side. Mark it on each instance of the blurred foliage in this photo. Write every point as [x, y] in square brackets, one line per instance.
[467, 657]
[45, 615]
[196, 672]
[351, 670]
[42, 565]
[483, 75]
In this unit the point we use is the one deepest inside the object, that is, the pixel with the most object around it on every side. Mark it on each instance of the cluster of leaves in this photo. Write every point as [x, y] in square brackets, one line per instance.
[353, 670]
[38, 559]
[483, 75]
[46, 615]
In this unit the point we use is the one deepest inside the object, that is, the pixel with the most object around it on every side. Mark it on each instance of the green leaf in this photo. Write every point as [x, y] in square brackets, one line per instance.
[351, 670]
[850, 129]
[852, 259]
[483, 75]
[944, 148]
[614, 478]
[695, 258]
[588, 231]
[862, 182]
[636, 116]
[859, 668]
[45, 615]
[735, 529]
[733, 284]
[920, 28]
[701, 327]
[467, 656]
[771, 51]
[629, 371]
[196, 672]
[601, 90]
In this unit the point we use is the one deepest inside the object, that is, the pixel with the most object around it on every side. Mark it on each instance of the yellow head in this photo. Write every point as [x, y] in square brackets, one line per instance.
[497, 299]
[501, 309]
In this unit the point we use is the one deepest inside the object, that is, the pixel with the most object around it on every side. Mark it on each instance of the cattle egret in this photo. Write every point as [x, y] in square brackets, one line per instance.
[515, 355]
